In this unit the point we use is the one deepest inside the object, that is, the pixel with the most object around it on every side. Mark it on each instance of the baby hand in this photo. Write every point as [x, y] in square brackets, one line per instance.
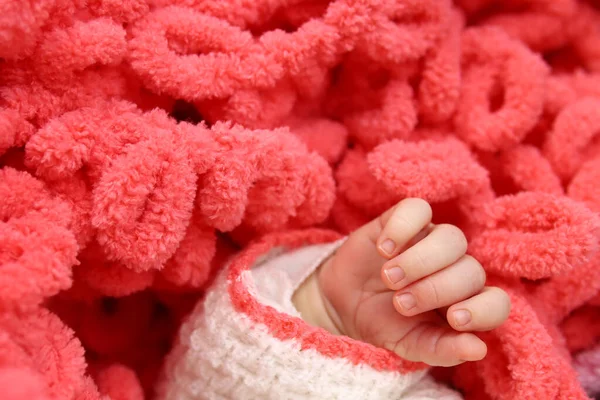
[407, 285]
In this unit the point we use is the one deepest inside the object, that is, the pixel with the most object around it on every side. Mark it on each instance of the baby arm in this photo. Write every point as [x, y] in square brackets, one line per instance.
[403, 284]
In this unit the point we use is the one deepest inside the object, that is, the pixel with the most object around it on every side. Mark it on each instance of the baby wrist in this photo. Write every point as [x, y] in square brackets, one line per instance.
[314, 307]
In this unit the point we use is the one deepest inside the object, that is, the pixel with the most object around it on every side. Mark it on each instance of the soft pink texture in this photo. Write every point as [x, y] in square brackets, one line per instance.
[142, 142]
[119, 383]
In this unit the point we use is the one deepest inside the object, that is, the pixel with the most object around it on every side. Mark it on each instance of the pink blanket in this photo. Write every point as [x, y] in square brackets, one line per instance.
[144, 141]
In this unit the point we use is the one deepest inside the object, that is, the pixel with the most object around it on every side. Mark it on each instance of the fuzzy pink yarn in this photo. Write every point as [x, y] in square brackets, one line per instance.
[119, 383]
[142, 142]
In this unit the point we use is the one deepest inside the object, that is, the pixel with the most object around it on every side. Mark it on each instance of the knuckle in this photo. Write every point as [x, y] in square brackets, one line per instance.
[424, 206]
[497, 292]
[455, 234]
[399, 223]
[427, 293]
[418, 204]
[503, 298]
[498, 300]
[420, 264]
[399, 347]
[478, 272]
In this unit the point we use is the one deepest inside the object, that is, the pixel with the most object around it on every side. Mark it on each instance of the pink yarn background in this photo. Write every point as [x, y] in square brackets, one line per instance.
[143, 142]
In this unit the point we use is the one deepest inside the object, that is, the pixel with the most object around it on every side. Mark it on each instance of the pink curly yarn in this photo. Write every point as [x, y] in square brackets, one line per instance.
[119, 383]
[119, 11]
[586, 42]
[502, 90]
[16, 131]
[359, 187]
[527, 221]
[398, 38]
[396, 118]
[439, 89]
[75, 192]
[191, 263]
[36, 246]
[21, 384]
[583, 187]
[257, 109]
[164, 34]
[565, 151]
[323, 136]
[142, 142]
[433, 170]
[100, 41]
[266, 186]
[530, 171]
[522, 330]
[22, 23]
[154, 186]
[541, 24]
[24, 338]
[581, 328]
[109, 278]
[88, 391]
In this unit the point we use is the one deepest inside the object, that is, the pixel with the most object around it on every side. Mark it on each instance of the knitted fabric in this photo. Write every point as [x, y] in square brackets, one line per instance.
[222, 352]
[143, 142]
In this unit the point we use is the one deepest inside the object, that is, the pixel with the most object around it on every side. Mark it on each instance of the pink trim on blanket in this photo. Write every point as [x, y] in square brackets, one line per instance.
[286, 327]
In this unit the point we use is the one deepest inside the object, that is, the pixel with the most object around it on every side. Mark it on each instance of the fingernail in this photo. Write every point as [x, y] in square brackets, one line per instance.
[406, 301]
[395, 274]
[388, 247]
[462, 317]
